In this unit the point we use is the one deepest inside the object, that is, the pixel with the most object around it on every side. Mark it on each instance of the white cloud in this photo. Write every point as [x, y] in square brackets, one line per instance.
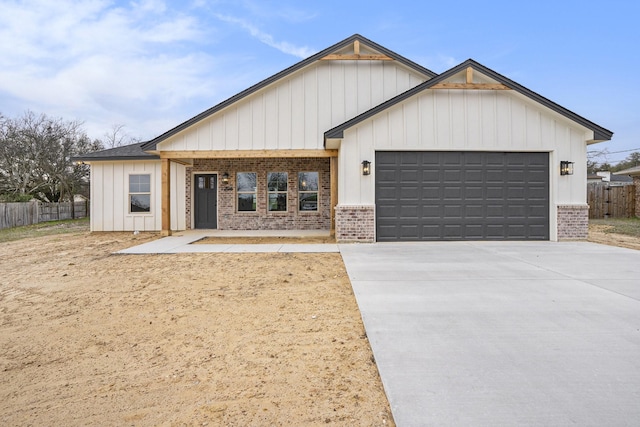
[284, 47]
[102, 63]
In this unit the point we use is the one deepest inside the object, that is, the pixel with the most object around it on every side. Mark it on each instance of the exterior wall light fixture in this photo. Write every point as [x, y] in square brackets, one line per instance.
[566, 167]
[225, 178]
[366, 167]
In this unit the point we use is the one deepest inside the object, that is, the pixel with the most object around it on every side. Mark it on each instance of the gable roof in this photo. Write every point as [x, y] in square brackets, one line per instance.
[126, 152]
[600, 133]
[151, 145]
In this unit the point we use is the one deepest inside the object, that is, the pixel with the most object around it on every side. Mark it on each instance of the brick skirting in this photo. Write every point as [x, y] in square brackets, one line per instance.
[573, 222]
[355, 223]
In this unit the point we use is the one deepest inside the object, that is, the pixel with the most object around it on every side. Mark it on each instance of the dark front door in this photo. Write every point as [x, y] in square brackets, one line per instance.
[206, 201]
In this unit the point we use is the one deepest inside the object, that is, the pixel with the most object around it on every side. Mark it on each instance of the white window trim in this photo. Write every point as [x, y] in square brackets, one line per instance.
[129, 193]
[317, 210]
[285, 192]
[254, 192]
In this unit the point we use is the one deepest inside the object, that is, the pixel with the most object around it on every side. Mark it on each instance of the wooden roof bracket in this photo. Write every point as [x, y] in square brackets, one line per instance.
[356, 55]
[469, 84]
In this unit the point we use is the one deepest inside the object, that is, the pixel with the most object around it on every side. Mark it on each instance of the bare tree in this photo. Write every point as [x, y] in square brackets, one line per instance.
[117, 136]
[36, 157]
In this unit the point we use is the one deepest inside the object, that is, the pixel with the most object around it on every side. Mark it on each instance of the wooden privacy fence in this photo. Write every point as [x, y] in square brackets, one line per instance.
[606, 201]
[17, 214]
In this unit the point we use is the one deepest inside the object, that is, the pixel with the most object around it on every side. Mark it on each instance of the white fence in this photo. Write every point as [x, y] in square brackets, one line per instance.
[17, 214]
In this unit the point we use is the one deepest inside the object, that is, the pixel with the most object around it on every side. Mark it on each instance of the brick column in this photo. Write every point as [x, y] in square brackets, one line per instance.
[573, 222]
[355, 224]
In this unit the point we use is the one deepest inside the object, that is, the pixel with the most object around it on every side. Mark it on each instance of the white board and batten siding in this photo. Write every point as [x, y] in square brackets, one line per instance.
[464, 120]
[294, 113]
[110, 196]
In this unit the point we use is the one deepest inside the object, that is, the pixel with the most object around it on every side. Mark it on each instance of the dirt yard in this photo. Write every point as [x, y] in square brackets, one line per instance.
[90, 338]
[601, 233]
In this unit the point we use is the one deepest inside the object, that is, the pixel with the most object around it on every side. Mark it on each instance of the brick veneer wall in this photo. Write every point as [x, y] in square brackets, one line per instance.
[355, 223]
[573, 222]
[636, 182]
[261, 219]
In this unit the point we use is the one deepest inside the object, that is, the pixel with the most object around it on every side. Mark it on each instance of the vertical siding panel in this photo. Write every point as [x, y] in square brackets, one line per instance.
[412, 123]
[298, 113]
[98, 204]
[312, 135]
[547, 131]
[458, 119]
[427, 124]
[271, 113]
[348, 184]
[326, 103]
[337, 93]
[473, 112]
[120, 205]
[390, 81]
[129, 222]
[245, 130]
[284, 116]
[396, 127]
[363, 76]
[217, 134]
[258, 123]
[518, 123]
[377, 83]
[381, 132]
[488, 119]
[231, 129]
[503, 122]
[365, 142]
[108, 197]
[350, 90]
[533, 128]
[204, 130]
[443, 123]
[403, 81]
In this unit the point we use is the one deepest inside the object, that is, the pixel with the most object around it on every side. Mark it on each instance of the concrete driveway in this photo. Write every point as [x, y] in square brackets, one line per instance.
[503, 334]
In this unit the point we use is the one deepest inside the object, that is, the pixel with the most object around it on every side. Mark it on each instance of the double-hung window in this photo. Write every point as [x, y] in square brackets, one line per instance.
[308, 191]
[277, 184]
[140, 193]
[247, 183]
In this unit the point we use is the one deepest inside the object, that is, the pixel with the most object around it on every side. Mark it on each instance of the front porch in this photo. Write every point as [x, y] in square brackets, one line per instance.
[284, 190]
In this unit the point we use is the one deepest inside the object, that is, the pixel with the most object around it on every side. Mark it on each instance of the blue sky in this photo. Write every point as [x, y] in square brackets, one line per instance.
[152, 64]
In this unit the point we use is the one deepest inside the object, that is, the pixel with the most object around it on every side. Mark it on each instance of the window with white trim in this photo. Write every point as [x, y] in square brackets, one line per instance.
[247, 184]
[140, 193]
[308, 191]
[277, 185]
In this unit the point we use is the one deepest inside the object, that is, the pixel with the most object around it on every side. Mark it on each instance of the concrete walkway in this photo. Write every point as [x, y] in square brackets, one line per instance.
[503, 334]
[183, 243]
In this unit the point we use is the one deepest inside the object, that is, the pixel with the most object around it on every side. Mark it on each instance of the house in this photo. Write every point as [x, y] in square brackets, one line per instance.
[364, 143]
[615, 179]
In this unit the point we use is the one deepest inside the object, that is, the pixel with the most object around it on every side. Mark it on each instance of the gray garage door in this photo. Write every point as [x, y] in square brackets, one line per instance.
[462, 196]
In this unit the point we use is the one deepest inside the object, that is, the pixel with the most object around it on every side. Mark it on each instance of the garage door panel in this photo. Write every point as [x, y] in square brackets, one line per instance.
[462, 195]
